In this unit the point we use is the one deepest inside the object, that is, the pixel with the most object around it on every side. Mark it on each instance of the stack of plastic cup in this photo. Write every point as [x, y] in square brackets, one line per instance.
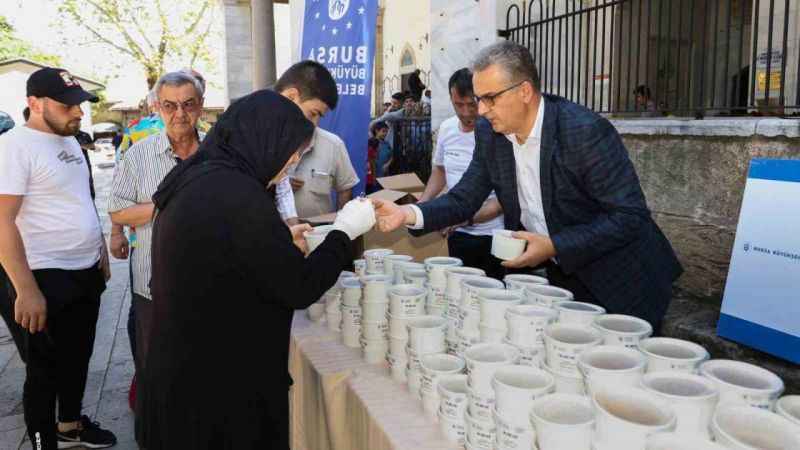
[437, 282]
[390, 263]
[351, 312]
[401, 267]
[434, 367]
[374, 323]
[516, 388]
[406, 301]
[374, 260]
[425, 336]
[452, 296]
[494, 303]
[469, 315]
[526, 324]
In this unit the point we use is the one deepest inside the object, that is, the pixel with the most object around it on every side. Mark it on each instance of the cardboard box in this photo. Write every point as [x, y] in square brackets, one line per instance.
[401, 189]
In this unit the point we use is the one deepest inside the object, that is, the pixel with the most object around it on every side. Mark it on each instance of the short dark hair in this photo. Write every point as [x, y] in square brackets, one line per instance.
[461, 80]
[26, 113]
[312, 80]
[399, 96]
[515, 60]
[379, 125]
[642, 90]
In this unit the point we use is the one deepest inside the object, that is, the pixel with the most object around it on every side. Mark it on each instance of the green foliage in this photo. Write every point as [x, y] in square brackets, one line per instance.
[12, 47]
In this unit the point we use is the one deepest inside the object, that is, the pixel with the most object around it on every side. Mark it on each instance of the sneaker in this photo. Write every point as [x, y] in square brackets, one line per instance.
[89, 435]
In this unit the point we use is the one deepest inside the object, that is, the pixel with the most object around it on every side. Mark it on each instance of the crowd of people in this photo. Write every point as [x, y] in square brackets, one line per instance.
[210, 221]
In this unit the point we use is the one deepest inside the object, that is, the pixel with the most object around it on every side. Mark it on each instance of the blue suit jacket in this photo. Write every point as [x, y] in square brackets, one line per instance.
[594, 206]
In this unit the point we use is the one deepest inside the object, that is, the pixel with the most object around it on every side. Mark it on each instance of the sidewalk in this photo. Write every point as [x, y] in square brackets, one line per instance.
[111, 367]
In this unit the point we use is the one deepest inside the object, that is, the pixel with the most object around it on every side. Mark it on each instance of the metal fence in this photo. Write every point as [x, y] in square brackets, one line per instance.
[693, 57]
[413, 144]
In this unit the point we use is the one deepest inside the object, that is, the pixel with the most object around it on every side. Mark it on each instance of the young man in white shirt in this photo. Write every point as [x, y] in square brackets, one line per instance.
[52, 247]
[455, 142]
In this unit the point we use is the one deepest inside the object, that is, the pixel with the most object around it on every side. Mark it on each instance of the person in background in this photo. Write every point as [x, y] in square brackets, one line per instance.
[471, 241]
[379, 155]
[387, 107]
[248, 298]
[180, 103]
[644, 101]
[53, 250]
[567, 187]
[426, 99]
[415, 85]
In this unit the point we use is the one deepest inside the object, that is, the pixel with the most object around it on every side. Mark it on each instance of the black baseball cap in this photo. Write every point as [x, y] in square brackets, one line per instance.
[59, 85]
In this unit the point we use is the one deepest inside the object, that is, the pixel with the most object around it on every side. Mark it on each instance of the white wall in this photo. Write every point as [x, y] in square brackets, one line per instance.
[405, 23]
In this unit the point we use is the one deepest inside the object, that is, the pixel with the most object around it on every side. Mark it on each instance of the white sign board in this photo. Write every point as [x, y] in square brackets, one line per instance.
[761, 305]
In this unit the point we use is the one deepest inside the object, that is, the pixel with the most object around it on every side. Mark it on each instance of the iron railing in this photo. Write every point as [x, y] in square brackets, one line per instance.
[695, 57]
[413, 144]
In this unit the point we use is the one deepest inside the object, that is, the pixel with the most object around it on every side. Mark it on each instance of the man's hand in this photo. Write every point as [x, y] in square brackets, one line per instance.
[296, 183]
[119, 246]
[391, 216]
[540, 249]
[292, 221]
[30, 310]
[298, 238]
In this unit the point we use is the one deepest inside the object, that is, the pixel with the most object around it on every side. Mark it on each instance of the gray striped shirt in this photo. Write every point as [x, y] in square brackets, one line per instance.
[136, 179]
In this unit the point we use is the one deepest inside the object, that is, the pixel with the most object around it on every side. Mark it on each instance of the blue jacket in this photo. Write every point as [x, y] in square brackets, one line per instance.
[594, 206]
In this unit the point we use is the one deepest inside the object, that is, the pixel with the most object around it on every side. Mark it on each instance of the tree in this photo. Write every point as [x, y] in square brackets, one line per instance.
[150, 32]
[13, 47]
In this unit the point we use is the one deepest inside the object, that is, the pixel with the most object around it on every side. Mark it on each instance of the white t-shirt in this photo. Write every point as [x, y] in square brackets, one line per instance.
[454, 152]
[57, 220]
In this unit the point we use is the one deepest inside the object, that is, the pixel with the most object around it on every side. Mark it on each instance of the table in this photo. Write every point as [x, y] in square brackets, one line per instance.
[339, 402]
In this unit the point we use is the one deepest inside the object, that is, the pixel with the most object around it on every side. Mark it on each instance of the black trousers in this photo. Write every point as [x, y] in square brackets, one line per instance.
[57, 359]
[132, 310]
[475, 251]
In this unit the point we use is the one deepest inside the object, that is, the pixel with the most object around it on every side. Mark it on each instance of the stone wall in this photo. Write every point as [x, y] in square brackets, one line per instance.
[693, 174]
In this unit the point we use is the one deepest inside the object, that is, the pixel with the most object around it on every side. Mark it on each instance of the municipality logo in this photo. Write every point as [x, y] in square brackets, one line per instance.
[747, 246]
[337, 8]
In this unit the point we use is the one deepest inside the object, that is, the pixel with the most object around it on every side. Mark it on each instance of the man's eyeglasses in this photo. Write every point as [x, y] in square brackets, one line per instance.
[489, 99]
[188, 106]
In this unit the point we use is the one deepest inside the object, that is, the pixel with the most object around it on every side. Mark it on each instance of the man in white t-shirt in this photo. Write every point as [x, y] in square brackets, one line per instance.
[53, 250]
[455, 142]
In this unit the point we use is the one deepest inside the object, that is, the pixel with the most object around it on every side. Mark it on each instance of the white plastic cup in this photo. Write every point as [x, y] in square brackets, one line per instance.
[414, 379]
[570, 383]
[374, 311]
[564, 342]
[494, 303]
[435, 310]
[374, 258]
[626, 416]
[454, 276]
[453, 391]
[389, 262]
[316, 236]
[374, 350]
[436, 267]
[316, 312]
[519, 281]
[397, 326]
[397, 347]
[417, 277]
[789, 407]
[434, 367]
[516, 387]
[454, 430]
[748, 428]
[513, 432]
[406, 300]
[563, 421]
[526, 324]
[333, 319]
[546, 295]
[480, 432]
[426, 334]
[400, 268]
[678, 441]
[623, 330]
[480, 404]
[741, 383]
[483, 360]
[397, 366]
[579, 313]
[529, 356]
[351, 319]
[375, 330]
[506, 247]
[491, 335]
[360, 267]
[430, 401]
[452, 347]
[436, 295]
[468, 321]
[672, 354]
[351, 339]
[465, 341]
[375, 288]
[609, 366]
[351, 291]
[692, 397]
[471, 288]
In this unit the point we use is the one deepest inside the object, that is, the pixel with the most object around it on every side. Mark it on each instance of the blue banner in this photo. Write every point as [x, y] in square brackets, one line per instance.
[340, 34]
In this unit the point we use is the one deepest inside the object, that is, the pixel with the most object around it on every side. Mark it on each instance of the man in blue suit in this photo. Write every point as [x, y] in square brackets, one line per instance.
[566, 185]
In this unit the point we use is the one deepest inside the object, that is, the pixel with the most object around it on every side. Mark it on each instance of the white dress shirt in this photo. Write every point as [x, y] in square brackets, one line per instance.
[529, 187]
[284, 199]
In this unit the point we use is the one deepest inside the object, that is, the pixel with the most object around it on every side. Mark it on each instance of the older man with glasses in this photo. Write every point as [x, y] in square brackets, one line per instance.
[137, 176]
[566, 185]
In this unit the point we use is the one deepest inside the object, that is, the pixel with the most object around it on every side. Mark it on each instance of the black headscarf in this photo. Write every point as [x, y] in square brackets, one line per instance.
[256, 136]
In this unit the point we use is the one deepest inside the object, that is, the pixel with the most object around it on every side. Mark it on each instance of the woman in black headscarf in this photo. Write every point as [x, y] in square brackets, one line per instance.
[226, 279]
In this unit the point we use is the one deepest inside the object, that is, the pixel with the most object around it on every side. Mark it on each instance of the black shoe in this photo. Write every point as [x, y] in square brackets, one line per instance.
[89, 435]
